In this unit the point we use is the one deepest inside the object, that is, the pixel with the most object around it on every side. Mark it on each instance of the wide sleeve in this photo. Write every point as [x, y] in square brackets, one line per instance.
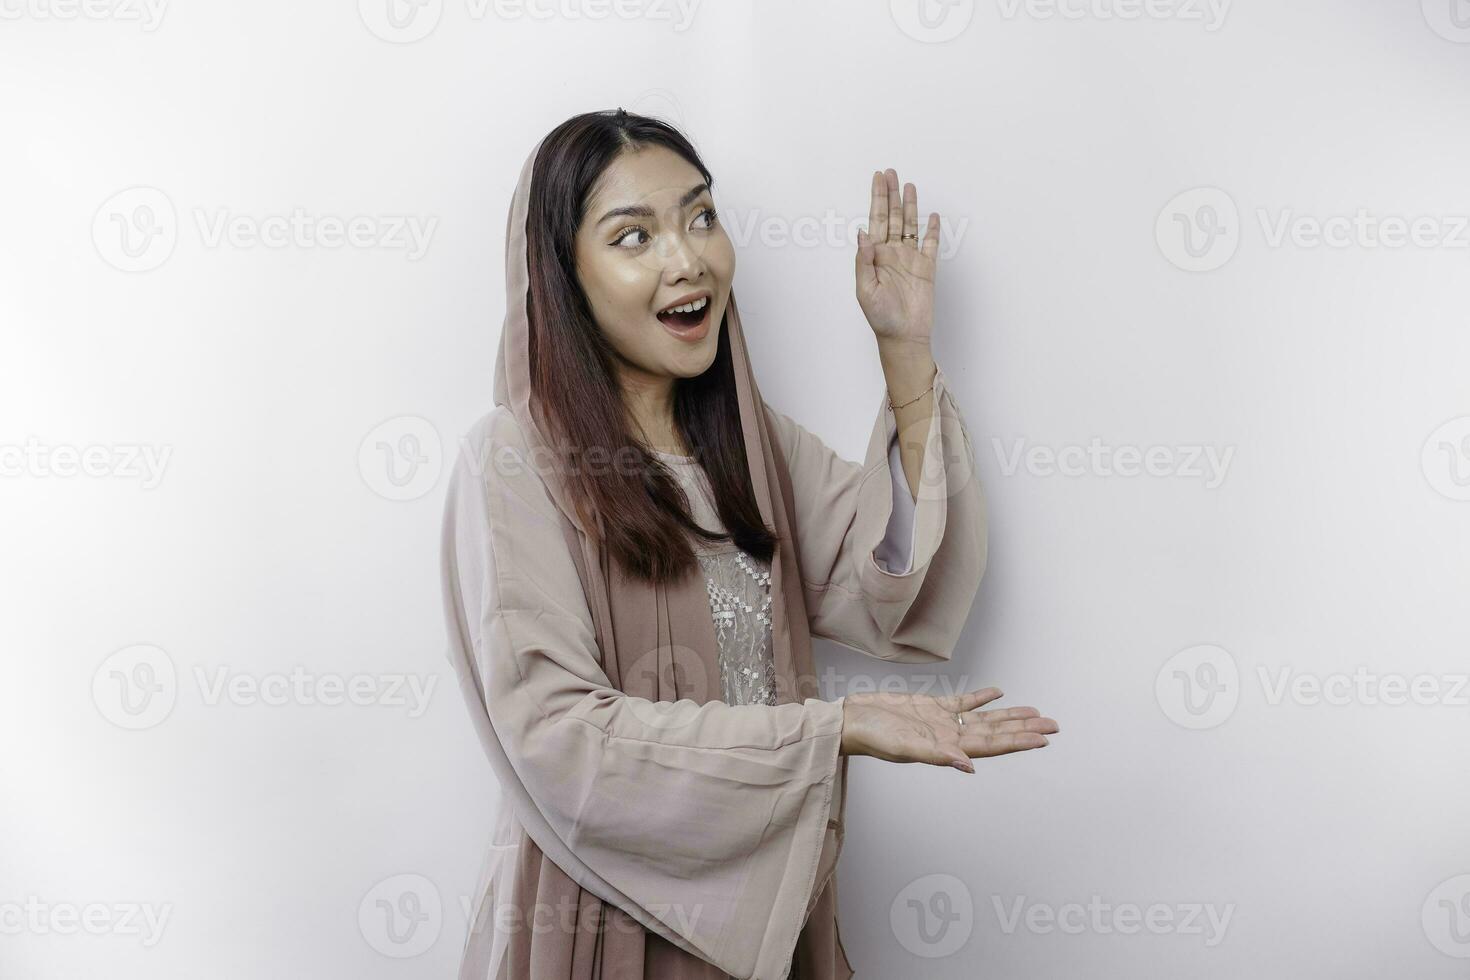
[705, 823]
[848, 535]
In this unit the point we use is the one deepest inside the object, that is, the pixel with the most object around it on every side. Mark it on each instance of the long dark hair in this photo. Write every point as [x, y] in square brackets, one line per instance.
[644, 512]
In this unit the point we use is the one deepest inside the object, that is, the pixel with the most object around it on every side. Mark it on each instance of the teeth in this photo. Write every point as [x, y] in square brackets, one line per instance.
[698, 304]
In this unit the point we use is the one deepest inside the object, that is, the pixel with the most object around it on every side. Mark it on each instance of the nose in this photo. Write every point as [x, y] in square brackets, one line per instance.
[684, 258]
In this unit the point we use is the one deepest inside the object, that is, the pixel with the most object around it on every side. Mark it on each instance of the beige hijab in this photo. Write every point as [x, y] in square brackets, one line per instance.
[633, 618]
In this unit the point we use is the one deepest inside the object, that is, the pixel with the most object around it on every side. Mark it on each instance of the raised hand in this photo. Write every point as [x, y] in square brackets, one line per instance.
[895, 275]
[924, 728]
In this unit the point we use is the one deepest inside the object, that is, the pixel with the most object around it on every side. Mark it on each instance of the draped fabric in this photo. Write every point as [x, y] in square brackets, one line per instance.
[645, 827]
[738, 583]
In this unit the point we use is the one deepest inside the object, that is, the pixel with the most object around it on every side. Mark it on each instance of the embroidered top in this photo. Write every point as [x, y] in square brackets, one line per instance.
[739, 585]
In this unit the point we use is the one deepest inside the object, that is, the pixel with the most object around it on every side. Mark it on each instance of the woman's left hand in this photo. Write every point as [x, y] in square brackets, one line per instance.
[895, 278]
[926, 728]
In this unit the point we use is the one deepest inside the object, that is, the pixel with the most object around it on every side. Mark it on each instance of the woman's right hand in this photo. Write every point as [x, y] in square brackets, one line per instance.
[923, 728]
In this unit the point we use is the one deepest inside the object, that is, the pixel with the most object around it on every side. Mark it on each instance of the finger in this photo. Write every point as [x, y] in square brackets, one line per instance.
[970, 700]
[914, 748]
[947, 752]
[1001, 714]
[978, 746]
[895, 208]
[930, 245]
[864, 259]
[911, 212]
[878, 209]
[1042, 726]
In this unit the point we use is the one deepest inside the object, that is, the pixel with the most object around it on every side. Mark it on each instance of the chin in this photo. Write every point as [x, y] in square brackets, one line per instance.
[693, 365]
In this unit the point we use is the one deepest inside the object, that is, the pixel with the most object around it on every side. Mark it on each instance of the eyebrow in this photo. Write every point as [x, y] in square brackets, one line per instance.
[644, 211]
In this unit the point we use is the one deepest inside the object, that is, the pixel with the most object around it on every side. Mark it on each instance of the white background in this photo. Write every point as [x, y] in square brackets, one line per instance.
[1055, 142]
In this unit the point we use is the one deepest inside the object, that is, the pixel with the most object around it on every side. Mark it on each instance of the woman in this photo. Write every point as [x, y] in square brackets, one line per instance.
[637, 551]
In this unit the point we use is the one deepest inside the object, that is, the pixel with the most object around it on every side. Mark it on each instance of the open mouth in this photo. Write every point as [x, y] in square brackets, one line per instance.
[686, 316]
[685, 321]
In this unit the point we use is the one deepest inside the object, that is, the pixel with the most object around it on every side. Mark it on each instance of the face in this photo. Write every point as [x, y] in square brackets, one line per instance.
[662, 245]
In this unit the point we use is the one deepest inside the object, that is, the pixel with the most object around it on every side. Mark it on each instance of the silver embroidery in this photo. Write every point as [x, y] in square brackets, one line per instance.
[739, 590]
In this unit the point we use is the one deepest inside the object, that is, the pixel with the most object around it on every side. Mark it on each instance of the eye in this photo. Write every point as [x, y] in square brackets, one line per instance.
[713, 216]
[628, 231]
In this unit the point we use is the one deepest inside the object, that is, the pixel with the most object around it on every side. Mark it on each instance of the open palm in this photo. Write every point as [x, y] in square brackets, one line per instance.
[895, 276]
[924, 728]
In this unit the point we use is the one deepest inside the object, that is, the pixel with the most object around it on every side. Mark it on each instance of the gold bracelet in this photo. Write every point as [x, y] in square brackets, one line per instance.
[911, 400]
[916, 397]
